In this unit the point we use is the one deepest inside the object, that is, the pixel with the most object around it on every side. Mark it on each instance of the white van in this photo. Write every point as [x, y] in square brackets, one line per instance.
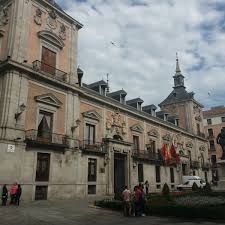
[188, 182]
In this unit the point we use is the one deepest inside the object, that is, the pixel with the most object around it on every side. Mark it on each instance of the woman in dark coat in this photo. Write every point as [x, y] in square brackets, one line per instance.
[4, 195]
[18, 194]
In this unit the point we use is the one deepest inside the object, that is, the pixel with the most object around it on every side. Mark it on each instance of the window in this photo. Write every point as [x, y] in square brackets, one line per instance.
[140, 173]
[209, 121]
[198, 129]
[43, 165]
[177, 122]
[92, 170]
[136, 142]
[223, 119]
[90, 133]
[151, 147]
[184, 169]
[48, 61]
[157, 174]
[91, 189]
[171, 175]
[213, 159]
[212, 145]
[45, 124]
[210, 132]
[189, 154]
[194, 173]
[41, 192]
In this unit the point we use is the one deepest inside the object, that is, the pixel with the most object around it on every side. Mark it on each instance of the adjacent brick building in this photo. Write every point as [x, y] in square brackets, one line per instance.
[214, 121]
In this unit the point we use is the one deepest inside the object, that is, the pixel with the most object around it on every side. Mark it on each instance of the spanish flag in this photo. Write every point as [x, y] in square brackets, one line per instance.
[165, 151]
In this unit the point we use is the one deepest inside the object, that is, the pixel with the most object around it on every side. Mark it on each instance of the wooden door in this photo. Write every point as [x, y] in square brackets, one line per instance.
[48, 60]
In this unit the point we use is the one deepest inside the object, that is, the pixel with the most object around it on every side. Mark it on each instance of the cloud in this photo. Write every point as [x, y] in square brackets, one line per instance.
[147, 34]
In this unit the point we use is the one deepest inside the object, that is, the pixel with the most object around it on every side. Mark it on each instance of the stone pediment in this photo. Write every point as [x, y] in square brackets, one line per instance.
[167, 137]
[153, 133]
[48, 99]
[52, 38]
[92, 114]
[137, 128]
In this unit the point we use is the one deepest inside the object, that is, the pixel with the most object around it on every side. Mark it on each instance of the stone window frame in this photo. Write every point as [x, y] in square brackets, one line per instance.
[51, 47]
[92, 120]
[49, 109]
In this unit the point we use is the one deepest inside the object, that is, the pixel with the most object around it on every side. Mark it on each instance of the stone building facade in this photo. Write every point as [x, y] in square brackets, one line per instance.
[214, 121]
[60, 138]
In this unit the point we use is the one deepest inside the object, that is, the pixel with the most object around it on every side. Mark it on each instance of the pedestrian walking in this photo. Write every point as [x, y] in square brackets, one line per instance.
[146, 187]
[127, 202]
[137, 203]
[13, 190]
[4, 195]
[18, 194]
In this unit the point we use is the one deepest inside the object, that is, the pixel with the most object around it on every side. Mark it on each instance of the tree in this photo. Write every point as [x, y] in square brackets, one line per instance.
[166, 190]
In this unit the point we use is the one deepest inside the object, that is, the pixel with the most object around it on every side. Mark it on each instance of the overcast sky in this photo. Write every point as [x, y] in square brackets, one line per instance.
[146, 34]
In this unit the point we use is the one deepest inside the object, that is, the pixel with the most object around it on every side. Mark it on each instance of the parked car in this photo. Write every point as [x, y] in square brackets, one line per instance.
[188, 182]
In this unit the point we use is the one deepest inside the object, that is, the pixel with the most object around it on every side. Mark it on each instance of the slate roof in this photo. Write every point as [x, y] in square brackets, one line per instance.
[98, 83]
[179, 94]
[117, 93]
[53, 3]
[135, 100]
[214, 112]
[149, 107]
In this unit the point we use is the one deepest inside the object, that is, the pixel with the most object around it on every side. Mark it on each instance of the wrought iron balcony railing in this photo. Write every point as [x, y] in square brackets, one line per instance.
[88, 146]
[50, 70]
[45, 138]
[194, 164]
[210, 136]
[154, 158]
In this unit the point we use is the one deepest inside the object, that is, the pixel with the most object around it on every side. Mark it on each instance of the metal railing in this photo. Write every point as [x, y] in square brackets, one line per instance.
[194, 164]
[200, 134]
[92, 146]
[45, 137]
[150, 156]
[211, 136]
[50, 70]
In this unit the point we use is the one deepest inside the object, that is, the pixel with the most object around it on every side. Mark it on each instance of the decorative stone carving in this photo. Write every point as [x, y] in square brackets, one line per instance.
[62, 32]
[189, 145]
[115, 125]
[167, 137]
[48, 99]
[37, 17]
[153, 133]
[178, 140]
[137, 128]
[202, 148]
[197, 112]
[52, 38]
[51, 21]
[4, 16]
[92, 114]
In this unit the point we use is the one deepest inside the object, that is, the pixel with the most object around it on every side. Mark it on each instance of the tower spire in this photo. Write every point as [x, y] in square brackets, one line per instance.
[107, 90]
[178, 71]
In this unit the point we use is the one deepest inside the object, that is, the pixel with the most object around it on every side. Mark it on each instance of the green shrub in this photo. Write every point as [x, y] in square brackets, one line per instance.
[165, 190]
[195, 187]
[207, 189]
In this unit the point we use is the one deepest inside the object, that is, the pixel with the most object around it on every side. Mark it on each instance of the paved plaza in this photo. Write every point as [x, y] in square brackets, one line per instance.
[78, 212]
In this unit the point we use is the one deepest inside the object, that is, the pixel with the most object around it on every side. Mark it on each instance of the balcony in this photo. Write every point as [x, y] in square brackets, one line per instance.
[47, 140]
[153, 158]
[50, 71]
[90, 147]
[206, 166]
[194, 164]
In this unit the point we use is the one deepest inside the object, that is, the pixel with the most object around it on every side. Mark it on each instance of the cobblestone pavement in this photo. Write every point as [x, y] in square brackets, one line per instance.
[79, 212]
